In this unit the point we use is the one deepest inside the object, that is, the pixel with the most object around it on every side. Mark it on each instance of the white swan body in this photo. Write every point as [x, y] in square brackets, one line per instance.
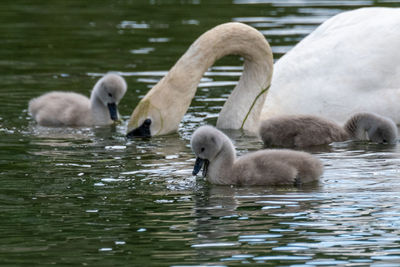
[309, 130]
[349, 64]
[72, 109]
[216, 152]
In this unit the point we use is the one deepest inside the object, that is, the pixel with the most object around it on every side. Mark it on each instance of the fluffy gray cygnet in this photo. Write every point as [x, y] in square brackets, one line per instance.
[306, 130]
[72, 109]
[217, 155]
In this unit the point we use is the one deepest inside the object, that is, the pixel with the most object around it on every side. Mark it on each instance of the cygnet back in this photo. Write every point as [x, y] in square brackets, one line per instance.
[300, 131]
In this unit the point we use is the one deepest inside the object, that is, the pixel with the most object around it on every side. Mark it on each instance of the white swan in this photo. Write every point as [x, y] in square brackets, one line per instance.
[308, 130]
[72, 109]
[216, 152]
[349, 64]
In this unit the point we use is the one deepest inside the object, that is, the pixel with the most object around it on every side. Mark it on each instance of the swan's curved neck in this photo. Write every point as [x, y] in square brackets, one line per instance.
[358, 126]
[99, 112]
[174, 93]
[220, 168]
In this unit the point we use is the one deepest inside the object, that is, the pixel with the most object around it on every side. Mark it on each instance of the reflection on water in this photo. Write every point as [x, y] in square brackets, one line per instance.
[88, 196]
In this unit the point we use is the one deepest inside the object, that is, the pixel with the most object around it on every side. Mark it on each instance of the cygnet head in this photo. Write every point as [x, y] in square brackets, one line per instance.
[206, 144]
[109, 90]
[378, 129]
[385, 133]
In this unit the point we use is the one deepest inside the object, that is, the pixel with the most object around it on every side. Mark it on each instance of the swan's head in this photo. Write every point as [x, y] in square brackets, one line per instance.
[109, 90]
[206, 144]
[146, 120]
[372, 127]
[383, 133]
[155, 115]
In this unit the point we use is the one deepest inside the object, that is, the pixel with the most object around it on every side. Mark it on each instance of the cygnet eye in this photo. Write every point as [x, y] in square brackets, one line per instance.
[109, 94]
[202, 149]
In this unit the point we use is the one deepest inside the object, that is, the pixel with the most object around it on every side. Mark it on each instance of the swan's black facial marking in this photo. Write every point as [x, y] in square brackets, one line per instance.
[141, 131]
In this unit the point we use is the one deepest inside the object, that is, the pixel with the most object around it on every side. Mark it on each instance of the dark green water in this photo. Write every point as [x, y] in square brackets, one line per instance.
[90, 197]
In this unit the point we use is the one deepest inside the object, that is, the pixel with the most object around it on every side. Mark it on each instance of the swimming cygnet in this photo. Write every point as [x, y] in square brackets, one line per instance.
[72, 109]
[216, 152]
[305, 130]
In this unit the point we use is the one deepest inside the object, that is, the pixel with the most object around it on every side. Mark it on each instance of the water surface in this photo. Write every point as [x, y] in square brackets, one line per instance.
[88, 196]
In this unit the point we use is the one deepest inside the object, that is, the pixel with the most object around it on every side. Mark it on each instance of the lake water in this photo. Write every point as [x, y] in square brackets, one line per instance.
[88, 196]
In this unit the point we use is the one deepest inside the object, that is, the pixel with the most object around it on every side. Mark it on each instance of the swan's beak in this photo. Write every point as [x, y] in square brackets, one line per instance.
[199, 164]
[112, 108]
[141, 131]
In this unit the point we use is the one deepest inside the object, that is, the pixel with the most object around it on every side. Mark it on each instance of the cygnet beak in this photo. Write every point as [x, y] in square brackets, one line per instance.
[199, 164]
[112, 108]
[141, 131]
